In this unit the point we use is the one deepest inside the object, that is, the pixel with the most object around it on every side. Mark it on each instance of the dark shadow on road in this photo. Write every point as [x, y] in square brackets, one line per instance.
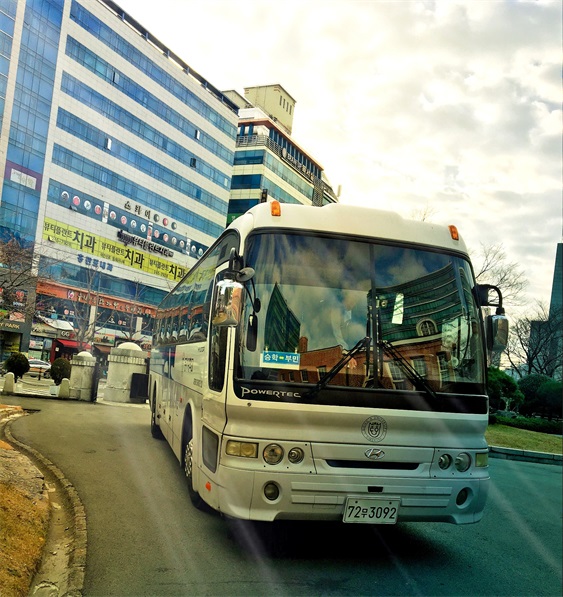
[375, 544]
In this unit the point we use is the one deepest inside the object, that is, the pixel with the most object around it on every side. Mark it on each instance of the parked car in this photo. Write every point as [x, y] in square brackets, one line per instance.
[40, 368]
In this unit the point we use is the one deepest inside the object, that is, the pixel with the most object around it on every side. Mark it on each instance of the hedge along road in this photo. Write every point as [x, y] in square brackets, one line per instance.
[145, 538]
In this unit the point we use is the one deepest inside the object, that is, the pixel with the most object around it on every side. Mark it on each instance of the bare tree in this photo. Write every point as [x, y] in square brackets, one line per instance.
[138, 322]
[424, 214]
[17, 280]
[80, 309]
[492, 267]
[534, 345]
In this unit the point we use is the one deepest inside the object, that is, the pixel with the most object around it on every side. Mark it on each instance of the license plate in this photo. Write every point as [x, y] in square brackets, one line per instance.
[371, 510]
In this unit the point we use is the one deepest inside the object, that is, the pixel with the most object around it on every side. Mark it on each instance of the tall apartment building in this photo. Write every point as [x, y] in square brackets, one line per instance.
[117, 161]
[268, 163]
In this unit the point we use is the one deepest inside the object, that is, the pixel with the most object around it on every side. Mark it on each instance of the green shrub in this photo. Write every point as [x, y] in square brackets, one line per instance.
[17, 364]
[60, 369]
[530, 424]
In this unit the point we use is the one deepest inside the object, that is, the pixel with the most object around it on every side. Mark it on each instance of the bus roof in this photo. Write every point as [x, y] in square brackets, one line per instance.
[338, 218]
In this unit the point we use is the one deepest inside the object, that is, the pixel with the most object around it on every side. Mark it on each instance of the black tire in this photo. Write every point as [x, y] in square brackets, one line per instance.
[156, 431]
[188, 471]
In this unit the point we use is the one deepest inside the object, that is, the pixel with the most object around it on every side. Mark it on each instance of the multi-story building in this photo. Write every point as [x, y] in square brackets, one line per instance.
[117, 161]
[268, 163]
[119, 165]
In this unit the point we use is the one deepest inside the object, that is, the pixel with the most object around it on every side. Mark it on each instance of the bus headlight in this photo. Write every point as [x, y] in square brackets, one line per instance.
[445, 461]
[273, 454]
[242, 449]
[295, 455]
[462, 462]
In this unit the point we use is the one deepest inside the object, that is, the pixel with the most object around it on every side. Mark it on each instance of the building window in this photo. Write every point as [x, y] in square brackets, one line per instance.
[444, 367]
[419, 365]
[193, 162]
[304, 375]
[397, 375]
[426, 327]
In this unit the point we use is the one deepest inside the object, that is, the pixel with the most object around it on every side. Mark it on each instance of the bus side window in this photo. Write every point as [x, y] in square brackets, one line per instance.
[217, 357]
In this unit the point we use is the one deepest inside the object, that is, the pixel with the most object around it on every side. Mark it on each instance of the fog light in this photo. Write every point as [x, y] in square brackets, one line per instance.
[445, 461]
[295, 455]
[273, 454]
[462, 462]
[271, 491]
[462, 497]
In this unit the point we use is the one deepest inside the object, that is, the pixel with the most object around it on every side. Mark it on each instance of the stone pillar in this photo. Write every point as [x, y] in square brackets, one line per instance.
[9, 384]
[123, 361]
[81, 377]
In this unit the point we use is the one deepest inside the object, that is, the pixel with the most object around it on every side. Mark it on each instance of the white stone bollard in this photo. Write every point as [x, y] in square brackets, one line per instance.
[9, 385]
[123, 361]
[82, 376]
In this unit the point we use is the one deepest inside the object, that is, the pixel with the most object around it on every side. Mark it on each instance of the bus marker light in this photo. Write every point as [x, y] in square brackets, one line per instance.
[453, 232]
[275, 208]
[208, 486]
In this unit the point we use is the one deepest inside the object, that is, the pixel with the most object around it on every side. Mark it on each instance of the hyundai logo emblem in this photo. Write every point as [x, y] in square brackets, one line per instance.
[374, 454]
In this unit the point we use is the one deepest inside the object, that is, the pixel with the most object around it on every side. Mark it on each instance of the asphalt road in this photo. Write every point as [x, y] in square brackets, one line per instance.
[145, 538]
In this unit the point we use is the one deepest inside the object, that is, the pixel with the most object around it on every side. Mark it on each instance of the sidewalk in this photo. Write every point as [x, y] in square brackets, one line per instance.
[33, 388]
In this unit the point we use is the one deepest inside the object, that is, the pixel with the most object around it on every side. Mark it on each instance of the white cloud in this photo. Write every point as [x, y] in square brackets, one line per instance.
[451, 106]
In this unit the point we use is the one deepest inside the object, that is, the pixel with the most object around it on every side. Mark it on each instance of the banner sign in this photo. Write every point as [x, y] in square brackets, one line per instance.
[104, 248]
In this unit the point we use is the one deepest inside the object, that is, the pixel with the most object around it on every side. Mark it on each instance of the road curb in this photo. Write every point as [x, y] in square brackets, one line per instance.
[77, 554]
[525, 455]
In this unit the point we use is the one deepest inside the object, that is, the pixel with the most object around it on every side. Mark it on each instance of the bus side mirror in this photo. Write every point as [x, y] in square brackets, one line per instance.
[228, 303]
[497, 332]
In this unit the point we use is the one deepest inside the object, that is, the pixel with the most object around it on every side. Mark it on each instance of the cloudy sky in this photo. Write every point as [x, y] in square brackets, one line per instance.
[449, 108]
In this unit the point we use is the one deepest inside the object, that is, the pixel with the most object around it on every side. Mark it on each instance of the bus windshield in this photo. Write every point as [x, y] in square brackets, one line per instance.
[351, 313]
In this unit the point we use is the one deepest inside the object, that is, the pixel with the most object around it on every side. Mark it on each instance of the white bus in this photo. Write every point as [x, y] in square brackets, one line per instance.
[329, 363]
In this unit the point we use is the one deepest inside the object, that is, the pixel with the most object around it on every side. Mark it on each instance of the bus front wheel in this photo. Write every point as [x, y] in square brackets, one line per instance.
[188, 470]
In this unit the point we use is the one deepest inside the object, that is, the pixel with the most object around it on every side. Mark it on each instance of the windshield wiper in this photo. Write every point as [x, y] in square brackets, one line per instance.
[324, 380]
[413, 375]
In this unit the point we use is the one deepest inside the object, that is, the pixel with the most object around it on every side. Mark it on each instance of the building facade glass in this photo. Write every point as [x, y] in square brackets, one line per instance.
[117, 170]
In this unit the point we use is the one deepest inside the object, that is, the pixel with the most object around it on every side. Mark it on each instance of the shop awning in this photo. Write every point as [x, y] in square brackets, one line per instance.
[103, 348]
[72, 344]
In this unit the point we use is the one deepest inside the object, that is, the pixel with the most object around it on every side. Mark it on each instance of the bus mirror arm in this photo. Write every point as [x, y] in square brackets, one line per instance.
[235, 265]
[252, 332]
[482, 295]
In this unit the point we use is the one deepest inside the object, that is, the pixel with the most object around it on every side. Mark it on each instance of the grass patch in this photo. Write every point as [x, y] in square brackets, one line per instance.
[23, 529]
[503, 436]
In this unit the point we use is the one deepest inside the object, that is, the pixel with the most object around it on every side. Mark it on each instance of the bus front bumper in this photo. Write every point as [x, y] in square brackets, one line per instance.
[324, 497]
